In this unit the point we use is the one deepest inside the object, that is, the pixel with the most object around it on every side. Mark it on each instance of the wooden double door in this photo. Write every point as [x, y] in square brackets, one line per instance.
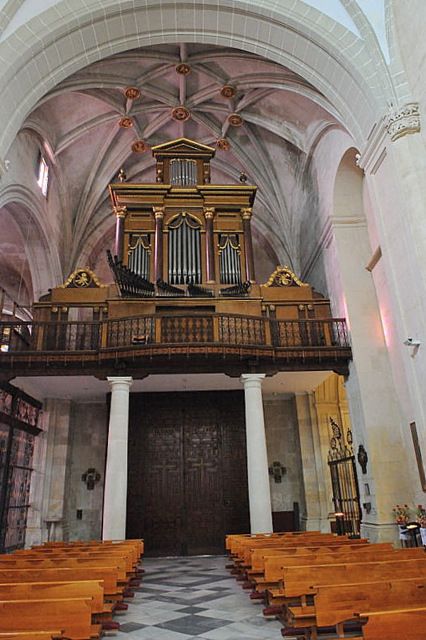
[187, 483]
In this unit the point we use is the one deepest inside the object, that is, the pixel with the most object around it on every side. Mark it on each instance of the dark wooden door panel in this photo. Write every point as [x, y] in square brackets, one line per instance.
[187, 471]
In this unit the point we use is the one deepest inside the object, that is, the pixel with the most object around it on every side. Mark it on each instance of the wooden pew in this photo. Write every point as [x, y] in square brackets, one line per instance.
[73, 554]
[275, 565]
[335, 604]
[106, 575]
[296, 582]
[17, 562]
[400, 624]
[259, 556]
[73, 615]
[32, 635]
[114, 548]
[50, 590]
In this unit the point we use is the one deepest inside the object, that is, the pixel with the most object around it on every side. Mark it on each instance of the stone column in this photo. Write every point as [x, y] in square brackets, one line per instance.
[115, 494]
[210, 270]
[257, 460]
[158, 243]
[248, 245]
[316, 484]
[120, 214]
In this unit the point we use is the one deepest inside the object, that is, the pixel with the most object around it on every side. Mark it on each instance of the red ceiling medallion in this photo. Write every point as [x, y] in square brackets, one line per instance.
[132, 93]
[139, 146]
[223, 144]
[181, 114]
[182, 69]
[228, 91]
[235, 120]
[125, 122]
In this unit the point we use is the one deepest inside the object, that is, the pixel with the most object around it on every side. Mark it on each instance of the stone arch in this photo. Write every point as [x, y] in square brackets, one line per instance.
[43, 262]
[329, 56]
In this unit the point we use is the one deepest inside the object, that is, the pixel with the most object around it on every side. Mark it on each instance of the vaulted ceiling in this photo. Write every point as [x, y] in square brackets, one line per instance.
[270, 118]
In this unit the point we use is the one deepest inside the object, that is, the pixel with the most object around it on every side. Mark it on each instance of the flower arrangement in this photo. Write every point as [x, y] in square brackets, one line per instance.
[401, 513]
[420, 512]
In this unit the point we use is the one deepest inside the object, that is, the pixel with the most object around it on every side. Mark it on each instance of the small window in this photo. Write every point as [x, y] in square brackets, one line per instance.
[43, 175]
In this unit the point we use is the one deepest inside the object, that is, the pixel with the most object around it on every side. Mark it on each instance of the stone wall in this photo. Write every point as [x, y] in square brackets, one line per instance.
[87, 450]
[282, 438]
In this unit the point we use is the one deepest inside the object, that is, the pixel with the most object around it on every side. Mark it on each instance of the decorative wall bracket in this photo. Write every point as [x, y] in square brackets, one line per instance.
[276, 470]
[404, 120]
[91, 477]
[362, 458]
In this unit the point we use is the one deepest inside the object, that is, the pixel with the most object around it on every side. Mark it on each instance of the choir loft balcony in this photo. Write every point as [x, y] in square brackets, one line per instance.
[171, 343]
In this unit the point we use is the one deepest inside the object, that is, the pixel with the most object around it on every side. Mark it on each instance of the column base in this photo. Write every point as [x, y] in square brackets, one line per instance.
[315, 524]
[377, 532]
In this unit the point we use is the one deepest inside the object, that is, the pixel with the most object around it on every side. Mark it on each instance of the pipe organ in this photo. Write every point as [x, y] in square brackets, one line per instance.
[183, 230]
[184, 290]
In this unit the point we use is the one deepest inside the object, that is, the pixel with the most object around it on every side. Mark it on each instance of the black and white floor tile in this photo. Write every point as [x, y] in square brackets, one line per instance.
[193, 597]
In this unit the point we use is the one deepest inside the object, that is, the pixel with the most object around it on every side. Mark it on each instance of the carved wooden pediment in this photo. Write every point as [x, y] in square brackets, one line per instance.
[184, 147]
[284, 277]
[83, 279]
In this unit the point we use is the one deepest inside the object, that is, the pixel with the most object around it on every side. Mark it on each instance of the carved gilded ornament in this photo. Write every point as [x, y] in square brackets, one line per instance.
[235, 120]
[139, 146]
[182, 68]
[223, 144]
[404, 120]
[120, 212]
[228, 91]
[158, 212]
[82, 279]
[284, 277]
[125, 122]
[208, 212]
[132, 93]
[246, 213]
[180, 113]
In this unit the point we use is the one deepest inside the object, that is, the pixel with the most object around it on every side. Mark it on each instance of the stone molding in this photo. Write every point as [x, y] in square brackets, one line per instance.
[396, 124]
[399, 122]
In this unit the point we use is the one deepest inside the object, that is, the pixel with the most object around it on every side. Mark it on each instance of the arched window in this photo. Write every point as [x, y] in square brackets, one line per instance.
[184, 250]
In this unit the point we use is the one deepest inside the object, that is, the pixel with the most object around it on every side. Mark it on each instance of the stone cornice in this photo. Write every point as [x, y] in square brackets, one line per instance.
[395, 124]
[399, 122]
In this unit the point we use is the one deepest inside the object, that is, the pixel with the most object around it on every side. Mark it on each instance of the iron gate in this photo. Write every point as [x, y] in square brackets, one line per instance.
[344, 480]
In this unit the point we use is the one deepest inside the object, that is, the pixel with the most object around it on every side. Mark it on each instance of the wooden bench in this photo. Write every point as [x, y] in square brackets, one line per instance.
[297, 582]
[399, 624]
[73, 615]
[32, 635]
[75, 554]
[260, 556]
[92, 589]
[335, 604]
[106, 575]
[18, 562]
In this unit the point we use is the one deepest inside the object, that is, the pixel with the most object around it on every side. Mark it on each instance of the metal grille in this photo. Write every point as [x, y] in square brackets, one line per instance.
[16, 452]
[344, 480]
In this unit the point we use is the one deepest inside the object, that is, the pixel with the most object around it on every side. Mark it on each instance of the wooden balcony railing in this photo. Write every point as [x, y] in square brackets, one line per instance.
[161, 330]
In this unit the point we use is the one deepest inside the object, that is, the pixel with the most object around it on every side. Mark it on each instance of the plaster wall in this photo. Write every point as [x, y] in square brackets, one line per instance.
[282, 440]
[87, 450]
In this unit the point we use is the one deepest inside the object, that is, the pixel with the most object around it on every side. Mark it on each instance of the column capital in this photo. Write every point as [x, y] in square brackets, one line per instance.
[208, 212]
[252, 379]
[403, 120]
[115, 381]
[158, 212]
[120, 212]
[246, 213]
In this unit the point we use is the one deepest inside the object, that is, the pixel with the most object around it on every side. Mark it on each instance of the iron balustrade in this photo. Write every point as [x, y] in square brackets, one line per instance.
[163, 329]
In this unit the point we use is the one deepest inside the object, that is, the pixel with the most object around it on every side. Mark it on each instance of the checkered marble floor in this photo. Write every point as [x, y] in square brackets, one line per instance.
[193, 597]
